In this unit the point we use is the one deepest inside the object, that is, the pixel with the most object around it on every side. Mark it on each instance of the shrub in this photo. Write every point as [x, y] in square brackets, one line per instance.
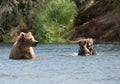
[118, 3]
[53, 22]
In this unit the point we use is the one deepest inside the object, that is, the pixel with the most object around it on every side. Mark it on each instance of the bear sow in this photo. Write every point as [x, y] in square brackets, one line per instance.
[22, 48]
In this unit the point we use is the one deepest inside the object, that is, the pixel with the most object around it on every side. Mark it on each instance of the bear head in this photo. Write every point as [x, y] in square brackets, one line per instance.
[27, 39]
[88, 42]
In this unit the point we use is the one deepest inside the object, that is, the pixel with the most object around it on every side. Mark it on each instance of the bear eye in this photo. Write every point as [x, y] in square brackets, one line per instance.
[30, 38]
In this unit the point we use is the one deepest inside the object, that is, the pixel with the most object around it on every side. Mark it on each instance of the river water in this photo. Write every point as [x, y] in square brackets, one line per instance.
[59, 64]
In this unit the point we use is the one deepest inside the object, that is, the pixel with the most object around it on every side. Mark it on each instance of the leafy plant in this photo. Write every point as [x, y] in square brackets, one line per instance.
[118, 3]
[53, 22]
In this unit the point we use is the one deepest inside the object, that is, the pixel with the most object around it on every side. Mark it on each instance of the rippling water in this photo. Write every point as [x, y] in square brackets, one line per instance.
[59, 64]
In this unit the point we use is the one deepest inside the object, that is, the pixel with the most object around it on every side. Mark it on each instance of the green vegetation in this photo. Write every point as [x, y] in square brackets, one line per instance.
[50, 24]
[54, 21]
[118, 3]
[0, 0]
[3, 36]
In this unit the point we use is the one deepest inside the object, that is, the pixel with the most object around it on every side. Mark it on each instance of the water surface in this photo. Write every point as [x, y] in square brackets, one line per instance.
[59, 64]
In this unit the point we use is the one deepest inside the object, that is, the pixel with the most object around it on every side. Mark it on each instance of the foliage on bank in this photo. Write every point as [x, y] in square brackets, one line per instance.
[14, 14]
[49, 20]
[54, 21]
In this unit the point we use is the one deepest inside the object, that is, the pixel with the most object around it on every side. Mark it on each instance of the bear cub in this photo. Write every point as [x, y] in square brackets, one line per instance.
[86, 47]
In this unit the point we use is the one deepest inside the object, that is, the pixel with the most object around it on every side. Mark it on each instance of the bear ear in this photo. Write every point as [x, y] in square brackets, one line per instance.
[22, 34]
[79, 42]
[29, 33]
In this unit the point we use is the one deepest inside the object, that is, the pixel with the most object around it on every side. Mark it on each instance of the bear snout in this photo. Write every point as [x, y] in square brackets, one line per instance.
[35, 43]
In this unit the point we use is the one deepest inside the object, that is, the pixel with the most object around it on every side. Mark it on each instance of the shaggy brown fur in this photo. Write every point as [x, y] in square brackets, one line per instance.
[22, 48]
[86, 47]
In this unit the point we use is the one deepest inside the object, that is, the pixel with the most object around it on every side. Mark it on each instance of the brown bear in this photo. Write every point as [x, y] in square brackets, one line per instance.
[86, 47]
[22, 48]
[83, 48]
[90, 46]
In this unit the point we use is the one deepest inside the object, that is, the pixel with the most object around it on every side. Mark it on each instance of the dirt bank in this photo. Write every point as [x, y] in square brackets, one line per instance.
[101, 21]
